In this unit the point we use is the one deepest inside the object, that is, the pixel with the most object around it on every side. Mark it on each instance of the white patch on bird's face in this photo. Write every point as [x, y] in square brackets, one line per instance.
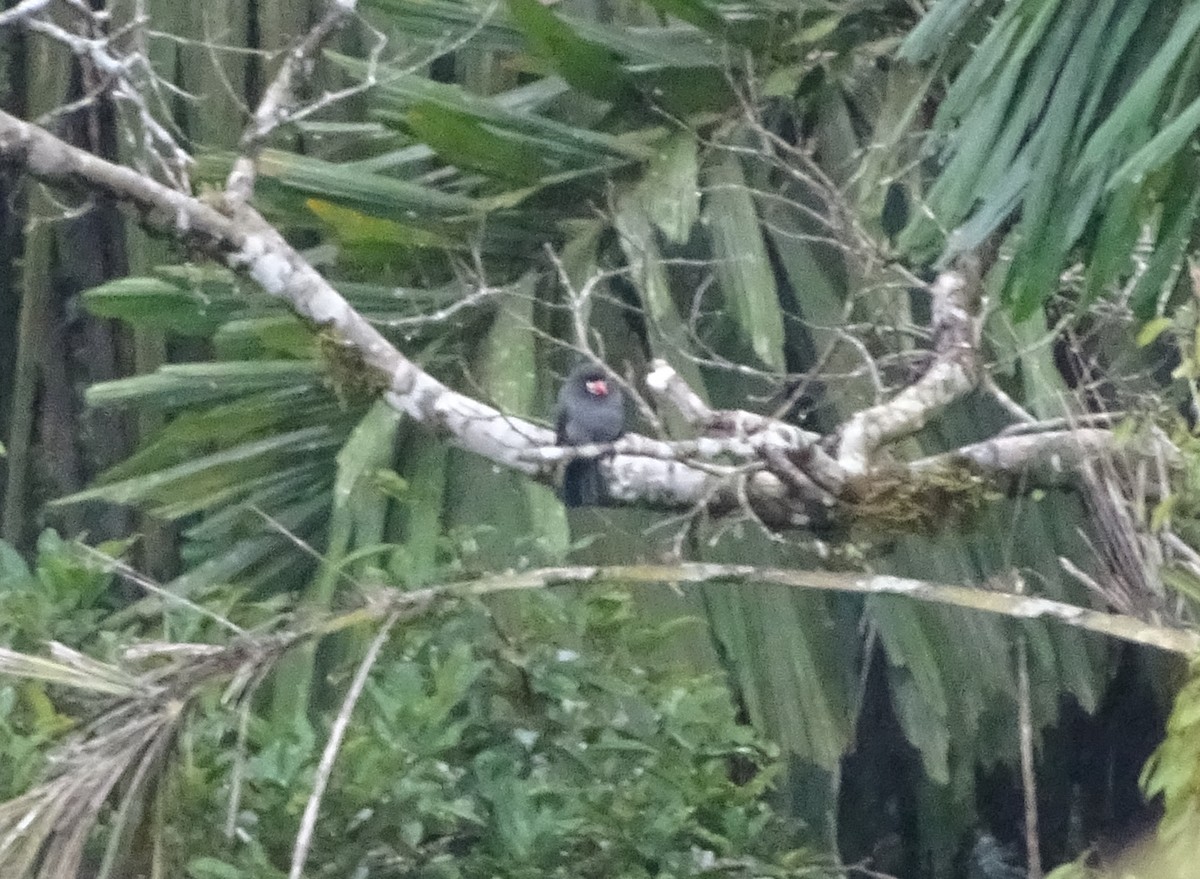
[597, 387]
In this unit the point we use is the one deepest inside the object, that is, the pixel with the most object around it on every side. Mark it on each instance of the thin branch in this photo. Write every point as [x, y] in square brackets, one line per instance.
[131, 575]
[1125, 628]
[23, 11]
[1033, 851]
[337, 733]
[279, 97]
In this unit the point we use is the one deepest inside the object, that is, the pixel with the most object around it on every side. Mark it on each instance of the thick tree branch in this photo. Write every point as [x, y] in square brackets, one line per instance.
[788, 477]
[955, 298]
[243, 240]
[23, 11]
[126, 76]
[1051, 458]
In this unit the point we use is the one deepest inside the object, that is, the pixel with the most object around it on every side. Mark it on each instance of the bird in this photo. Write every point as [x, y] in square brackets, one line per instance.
[590, 410]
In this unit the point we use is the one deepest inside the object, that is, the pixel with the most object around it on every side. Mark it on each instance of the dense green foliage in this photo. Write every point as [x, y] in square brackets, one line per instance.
[553, 750]
[751, 191]
[546, 735]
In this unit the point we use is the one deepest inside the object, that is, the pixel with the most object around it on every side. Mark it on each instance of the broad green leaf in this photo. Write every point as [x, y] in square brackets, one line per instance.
[505, 155]
[670, 46]
[436, 21]
[418, 528]
[152, 302]
[1119, 229]
[509, 114]
[14, 570]
[1013, 37]
[1138, 103]
[307, 441]
[280, 335]
[222, 564]
[994, 133]
[670, 338]
[783, 651]
[816, 291]
[669, 192]
[683, 90]
[586, 65]
[936, 27]
[212, 868]
[355, 229]
[366, 192]
[192, 433]
[177, 385]
[508, 368]
[271, 491]
[1046, 205]
[1025, 349]
[370, 446]
[924, 728]
[510, 517]
[694, 12]
[742, 265]
[1161, 148]
[1179, 212]
[1151, 330]
[904, 634]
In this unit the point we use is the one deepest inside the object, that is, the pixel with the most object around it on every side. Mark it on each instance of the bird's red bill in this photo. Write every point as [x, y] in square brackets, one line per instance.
[597, 388]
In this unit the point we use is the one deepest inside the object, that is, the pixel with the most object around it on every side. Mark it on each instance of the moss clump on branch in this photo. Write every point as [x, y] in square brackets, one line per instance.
[352, 381]
[897, 500]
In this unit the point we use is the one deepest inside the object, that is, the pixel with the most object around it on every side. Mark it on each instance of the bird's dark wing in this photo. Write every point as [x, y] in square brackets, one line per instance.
[560, 425]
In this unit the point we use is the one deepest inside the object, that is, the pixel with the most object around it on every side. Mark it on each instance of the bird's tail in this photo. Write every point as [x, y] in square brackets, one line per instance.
[583, 483]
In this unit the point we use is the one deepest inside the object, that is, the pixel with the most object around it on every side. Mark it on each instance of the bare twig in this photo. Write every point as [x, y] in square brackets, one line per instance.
[337, 733]
[131, 575]
[238, 772]
[128, 77]
[1033, 851]
[276, 104]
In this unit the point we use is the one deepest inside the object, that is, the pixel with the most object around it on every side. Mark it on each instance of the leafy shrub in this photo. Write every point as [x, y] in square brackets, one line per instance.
[549, 745]
[537, 735]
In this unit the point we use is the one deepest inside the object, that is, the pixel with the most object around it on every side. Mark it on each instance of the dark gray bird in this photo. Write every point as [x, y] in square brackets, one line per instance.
[591, 409]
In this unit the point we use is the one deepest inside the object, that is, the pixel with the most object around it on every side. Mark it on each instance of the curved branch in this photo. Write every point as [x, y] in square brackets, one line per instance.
[955, 296]
[787, 475]
[22, 11]
[1009, 604]
[1050, 458]
[243, 240]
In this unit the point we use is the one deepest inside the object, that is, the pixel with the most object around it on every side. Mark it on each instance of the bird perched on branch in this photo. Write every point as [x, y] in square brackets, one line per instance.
[591, 409]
